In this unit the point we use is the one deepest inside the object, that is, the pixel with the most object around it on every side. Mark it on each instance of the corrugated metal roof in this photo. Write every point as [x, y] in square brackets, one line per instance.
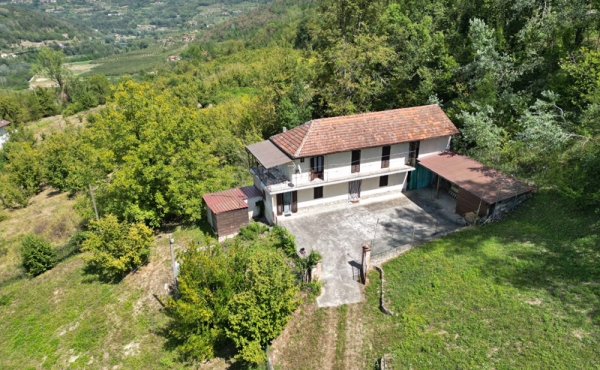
[4, 123]
[476, 178]
[268, 154]
[367, 130]
[230, 200]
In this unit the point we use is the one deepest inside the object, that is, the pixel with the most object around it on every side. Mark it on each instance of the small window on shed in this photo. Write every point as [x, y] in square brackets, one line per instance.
[318, 192]
[383, 181]
[301, 160]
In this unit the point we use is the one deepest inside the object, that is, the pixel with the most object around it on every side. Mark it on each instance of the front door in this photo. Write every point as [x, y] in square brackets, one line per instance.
[354, 190]
[287, 203]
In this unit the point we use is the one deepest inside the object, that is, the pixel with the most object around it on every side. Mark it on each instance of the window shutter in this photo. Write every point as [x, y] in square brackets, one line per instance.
[279, 204]
[294, 201]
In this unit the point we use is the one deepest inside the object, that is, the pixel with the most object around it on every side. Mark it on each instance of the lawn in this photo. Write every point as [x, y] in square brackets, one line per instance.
[523, 293]
[65, 318]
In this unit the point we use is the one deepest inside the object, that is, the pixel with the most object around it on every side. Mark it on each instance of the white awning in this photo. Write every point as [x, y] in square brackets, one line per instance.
[268, 154]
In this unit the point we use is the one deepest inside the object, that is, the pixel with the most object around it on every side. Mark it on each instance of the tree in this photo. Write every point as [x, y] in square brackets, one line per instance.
[37, 255]
[72, 162]
[261, 311]
[51, 64]
[116, 248]
[164, 156]
[208, 279]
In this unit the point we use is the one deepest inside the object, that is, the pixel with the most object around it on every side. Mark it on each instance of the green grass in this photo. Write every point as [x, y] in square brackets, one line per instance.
[522, 293]
[65, 319]
[340, 347]
[144, 60]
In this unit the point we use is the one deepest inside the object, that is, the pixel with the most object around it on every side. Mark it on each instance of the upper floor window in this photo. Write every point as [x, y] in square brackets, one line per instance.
[413, 153]
[317, 168]
[355, 164]
[385, 156]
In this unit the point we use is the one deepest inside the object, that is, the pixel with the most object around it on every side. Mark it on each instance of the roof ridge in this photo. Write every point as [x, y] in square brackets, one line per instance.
[310, 125]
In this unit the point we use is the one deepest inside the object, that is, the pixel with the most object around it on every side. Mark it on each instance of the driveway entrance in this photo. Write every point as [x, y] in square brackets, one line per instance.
[391, 222]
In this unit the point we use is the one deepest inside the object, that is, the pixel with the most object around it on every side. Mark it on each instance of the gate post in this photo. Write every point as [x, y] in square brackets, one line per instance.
[366, 262]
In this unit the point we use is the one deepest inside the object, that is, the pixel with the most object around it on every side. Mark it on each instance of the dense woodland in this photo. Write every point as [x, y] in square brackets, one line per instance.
[521, 79]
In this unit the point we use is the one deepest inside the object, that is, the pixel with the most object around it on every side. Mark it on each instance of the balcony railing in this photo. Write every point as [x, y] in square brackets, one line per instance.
[275, 180]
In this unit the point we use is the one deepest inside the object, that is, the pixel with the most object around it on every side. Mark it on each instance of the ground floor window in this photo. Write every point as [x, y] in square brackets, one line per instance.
[318, 192]
[383, 181]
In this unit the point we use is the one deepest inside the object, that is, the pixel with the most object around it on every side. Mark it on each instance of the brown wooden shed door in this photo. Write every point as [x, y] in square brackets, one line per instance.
[279, 204]
[294, 201]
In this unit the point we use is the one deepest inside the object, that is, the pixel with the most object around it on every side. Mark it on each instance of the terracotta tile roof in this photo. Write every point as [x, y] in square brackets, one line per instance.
[230, 200]
[476, 178]
[4, 123]
[341, 134]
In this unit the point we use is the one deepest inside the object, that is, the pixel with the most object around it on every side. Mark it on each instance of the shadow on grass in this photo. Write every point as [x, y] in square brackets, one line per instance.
[545, 244]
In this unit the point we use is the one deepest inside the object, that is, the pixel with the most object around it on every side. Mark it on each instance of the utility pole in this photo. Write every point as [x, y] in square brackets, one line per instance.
[94, 202]
[176, 288]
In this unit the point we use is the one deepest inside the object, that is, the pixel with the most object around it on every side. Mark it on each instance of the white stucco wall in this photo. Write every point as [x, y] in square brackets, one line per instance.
[432, 146]
[270, 207]
[253, 209]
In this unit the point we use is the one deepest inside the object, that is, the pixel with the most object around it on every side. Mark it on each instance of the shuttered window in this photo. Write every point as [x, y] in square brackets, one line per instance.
[383, 181]
[318, 192]
[355, 164]
[385, 156]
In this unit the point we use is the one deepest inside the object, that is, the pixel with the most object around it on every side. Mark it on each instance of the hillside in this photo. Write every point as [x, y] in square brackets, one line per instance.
[18, 24]
[131, 17]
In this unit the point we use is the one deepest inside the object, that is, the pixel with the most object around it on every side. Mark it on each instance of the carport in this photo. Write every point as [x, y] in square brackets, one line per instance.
[476, 187]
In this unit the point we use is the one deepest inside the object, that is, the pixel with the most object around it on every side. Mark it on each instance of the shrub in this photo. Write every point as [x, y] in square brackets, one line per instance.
[116, 248]
[37, 254]
[253, 229]
[3, 216]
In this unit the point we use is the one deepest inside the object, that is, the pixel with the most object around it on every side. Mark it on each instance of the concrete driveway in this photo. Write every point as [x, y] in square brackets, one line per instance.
[390, 223]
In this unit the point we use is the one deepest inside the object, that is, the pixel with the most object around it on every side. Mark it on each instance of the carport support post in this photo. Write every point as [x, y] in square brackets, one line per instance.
[437, 190]
[366, 261]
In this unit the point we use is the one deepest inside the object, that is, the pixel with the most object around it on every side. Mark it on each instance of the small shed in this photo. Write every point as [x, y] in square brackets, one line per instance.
[229, 210]
[477, 187]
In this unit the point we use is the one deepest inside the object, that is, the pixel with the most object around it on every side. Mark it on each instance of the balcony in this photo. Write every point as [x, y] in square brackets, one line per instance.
[276, 181]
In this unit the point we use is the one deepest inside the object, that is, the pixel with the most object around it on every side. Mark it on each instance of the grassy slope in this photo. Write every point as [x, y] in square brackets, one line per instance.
[523, 293]
[67, 319]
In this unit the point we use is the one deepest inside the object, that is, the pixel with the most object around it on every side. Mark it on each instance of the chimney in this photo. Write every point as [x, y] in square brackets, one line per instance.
[284, 129]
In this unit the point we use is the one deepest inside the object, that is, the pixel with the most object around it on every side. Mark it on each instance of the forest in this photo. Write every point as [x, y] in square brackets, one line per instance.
[520, 78]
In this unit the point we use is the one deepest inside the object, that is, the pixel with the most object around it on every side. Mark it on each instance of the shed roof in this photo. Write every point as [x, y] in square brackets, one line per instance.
[476, 178]
[4, 123]
[367, 130]
[230, 200]
[268, 154]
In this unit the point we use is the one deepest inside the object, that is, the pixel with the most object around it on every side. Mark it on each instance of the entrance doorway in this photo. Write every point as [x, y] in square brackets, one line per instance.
[287, 203]
[354, 190]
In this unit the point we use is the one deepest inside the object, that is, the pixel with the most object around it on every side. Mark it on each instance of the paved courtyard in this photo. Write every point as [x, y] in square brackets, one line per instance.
[391, 224]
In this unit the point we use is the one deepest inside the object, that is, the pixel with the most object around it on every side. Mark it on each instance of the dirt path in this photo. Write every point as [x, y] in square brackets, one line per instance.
[322, 338]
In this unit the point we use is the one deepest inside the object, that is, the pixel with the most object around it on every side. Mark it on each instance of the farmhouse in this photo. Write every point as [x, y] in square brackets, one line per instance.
[346, 159]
